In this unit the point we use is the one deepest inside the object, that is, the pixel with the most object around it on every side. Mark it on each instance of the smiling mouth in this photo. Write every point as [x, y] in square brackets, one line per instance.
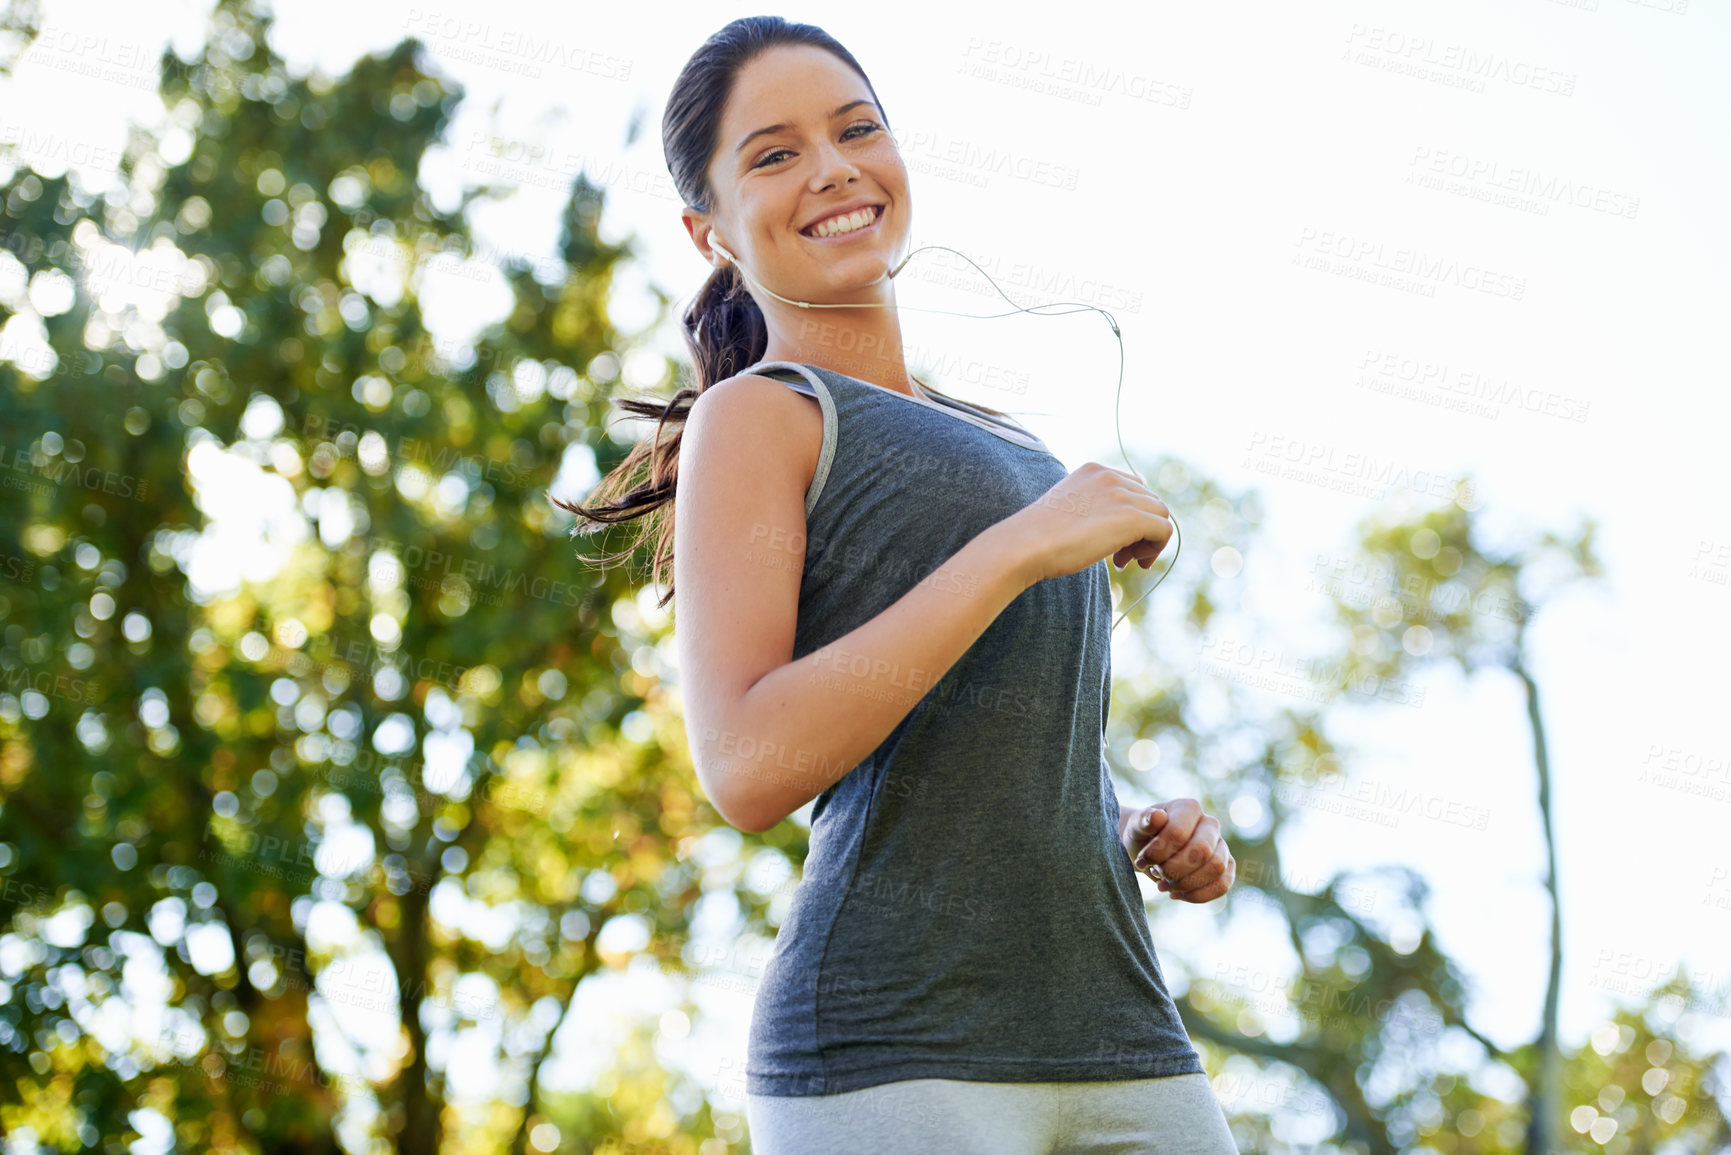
[808, 234]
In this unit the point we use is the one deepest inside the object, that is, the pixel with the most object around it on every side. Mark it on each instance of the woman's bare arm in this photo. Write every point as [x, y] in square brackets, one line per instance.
[768, 733]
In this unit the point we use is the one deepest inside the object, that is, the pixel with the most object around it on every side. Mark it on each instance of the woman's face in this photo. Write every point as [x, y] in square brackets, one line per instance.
[828, 149]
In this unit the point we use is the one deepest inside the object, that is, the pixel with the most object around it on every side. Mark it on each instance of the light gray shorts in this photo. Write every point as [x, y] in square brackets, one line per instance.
[1173, 1115]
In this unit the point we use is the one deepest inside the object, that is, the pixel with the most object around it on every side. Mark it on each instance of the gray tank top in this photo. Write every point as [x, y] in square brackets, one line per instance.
[966, 909]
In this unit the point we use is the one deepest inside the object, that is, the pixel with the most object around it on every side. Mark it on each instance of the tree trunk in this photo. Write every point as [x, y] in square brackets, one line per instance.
[420, 1134]
[1545, 1097]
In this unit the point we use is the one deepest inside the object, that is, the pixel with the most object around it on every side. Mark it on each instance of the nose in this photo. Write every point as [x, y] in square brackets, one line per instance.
[833, 167]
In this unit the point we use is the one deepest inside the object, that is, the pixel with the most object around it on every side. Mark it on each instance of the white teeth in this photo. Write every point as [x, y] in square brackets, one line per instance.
[858, 219]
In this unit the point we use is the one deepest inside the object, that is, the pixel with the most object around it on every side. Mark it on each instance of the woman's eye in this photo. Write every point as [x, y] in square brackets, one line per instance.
[869, 126]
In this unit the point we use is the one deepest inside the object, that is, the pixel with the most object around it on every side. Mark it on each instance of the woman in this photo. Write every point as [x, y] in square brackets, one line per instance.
[897, 604]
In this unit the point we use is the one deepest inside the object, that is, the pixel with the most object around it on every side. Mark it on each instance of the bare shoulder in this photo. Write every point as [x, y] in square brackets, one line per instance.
[746, 459]
[756, 405]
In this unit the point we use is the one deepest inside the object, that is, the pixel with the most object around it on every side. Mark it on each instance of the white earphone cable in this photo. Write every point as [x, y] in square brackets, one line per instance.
[1037, 309]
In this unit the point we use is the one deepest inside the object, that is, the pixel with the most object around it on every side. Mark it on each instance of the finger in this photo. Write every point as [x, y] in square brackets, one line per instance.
[1168, 836]
[1151, 550]
[1151, 500]
[1156, 531]
[1199, 853]
[1143, 831]
[1208, 875]
[1203, 894]
[1198, 879]
[1144, 549]
[1182, 817]
[1213, 867]
[1146, 825]
[1142, 487]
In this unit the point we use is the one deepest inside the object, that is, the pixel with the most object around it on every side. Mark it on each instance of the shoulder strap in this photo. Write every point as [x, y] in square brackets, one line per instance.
[804, 379]
[794, 372]
[800, 377]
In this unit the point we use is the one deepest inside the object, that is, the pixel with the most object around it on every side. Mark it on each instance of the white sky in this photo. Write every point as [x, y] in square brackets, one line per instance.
[1274, 132]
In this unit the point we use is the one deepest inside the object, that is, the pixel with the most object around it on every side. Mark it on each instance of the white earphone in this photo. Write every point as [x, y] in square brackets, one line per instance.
[735, 262]
[1037, 310]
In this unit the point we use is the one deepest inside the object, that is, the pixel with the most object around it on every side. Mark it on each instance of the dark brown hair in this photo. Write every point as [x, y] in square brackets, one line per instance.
[722, 326]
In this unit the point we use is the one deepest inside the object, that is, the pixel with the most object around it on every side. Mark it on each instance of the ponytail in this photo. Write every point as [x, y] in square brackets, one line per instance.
[726, 332]
[723, 327]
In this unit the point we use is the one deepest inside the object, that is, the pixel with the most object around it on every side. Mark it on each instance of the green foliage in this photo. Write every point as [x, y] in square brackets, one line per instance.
[431, 700]
[1359, 1040]
[431, 666]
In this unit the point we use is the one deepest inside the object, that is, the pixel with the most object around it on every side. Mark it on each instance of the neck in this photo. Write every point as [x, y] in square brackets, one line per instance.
[862, 343]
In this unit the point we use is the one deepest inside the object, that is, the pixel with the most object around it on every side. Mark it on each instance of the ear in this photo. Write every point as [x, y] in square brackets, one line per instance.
[702, 232]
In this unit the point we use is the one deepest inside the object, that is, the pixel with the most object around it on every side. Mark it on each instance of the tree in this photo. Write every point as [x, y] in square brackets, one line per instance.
[431, 701]
[1372, 995]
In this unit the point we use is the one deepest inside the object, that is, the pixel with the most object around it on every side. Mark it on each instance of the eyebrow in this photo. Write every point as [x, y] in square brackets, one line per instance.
[751, 136]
